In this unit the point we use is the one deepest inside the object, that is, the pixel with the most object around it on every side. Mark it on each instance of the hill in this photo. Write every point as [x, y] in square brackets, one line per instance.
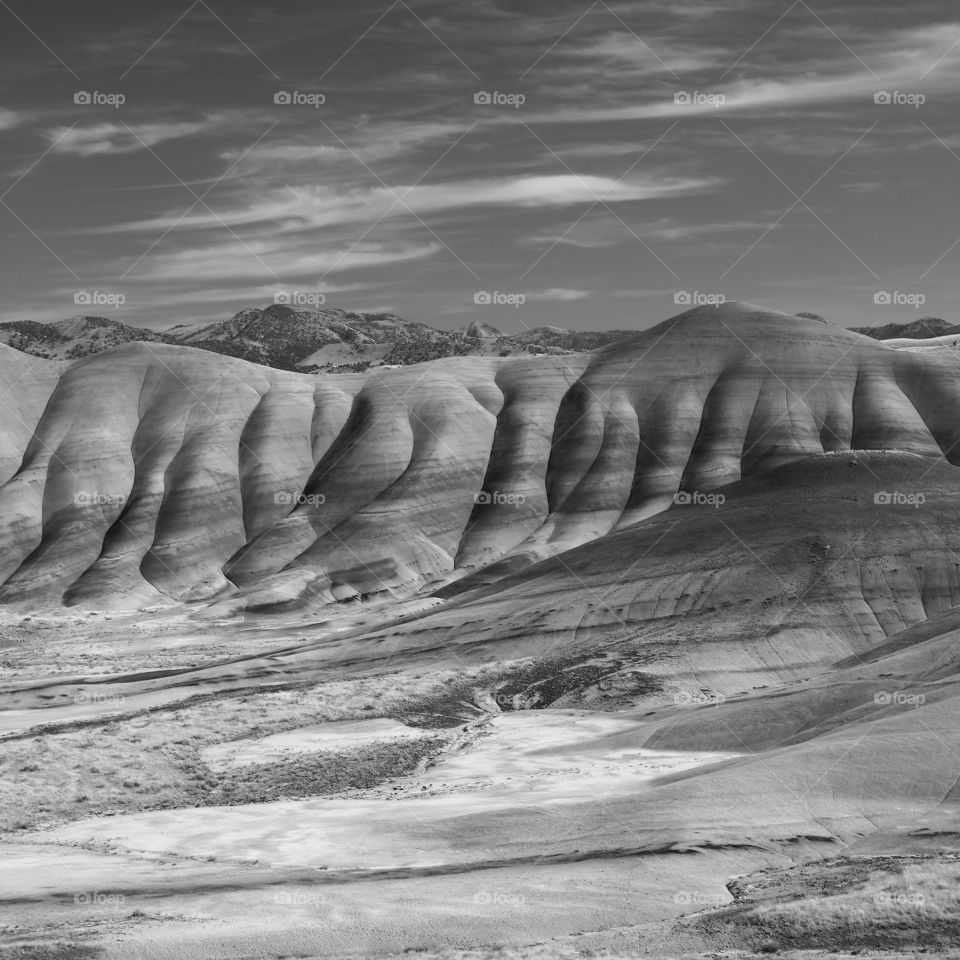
[73, 338]
[921, 329]
[185, 477]
[414, 657]
[308, 341]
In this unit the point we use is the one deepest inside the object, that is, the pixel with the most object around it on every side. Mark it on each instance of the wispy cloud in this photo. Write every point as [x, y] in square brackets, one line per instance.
[559, 294]
[401, 174]
[299, 208]
[130, 133]
[924, 58]
[599, 232]
[112, 138]
[628, 52]
[282, 260]
[315, 152]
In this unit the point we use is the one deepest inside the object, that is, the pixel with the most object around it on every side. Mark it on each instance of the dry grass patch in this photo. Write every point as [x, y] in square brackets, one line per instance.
[152, 761]
[881, 903]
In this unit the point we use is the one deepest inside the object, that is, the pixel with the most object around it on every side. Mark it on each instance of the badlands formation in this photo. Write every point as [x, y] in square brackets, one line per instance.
[648, 652]
[152, 474]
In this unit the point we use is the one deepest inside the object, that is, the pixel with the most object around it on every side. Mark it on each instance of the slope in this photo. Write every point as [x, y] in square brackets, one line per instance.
[181, 476]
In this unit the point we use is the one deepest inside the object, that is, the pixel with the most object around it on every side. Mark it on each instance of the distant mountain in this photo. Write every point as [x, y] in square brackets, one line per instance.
[571, 341]
[73, 338]
[311, 341]
[289, 339]
[481, 331]
[922, 329]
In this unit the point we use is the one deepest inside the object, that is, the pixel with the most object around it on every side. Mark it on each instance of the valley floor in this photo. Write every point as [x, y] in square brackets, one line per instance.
[188, 805]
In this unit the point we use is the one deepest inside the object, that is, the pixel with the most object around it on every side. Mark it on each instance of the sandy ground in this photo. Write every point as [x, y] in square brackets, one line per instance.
[245, 912]
[534, 833]
[378, 872]
[291, 743]
[523, 761]
[86, 643]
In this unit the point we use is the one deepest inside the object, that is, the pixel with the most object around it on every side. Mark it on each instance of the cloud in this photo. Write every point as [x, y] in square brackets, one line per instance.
[370, 144]
[113, 138]
[272, 260]
[923, 59]
[562, 294]
[741, 97]
[297, 208]
[638, 57]
[601, 232]
[118, 136]
[575, 238]
[684, 8]
[671, 230]
[297, 197]
[865, 186]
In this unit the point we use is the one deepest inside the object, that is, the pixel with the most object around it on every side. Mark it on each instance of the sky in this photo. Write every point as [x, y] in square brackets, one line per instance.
[590, 165]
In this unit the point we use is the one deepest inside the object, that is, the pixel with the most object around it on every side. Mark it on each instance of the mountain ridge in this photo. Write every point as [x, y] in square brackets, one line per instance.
[154, 473]
[310, 341]
[923, 329]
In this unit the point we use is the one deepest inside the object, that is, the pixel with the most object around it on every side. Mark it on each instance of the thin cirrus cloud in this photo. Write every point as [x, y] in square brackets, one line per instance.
[113, 138]
[559, 295]
[924, 59]
[635, 57]
[188, 294]
[385, 140]
[740, 97]
[595, 234]
[121, 137]
[236, 259]
[298, 208]
[402, 160]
